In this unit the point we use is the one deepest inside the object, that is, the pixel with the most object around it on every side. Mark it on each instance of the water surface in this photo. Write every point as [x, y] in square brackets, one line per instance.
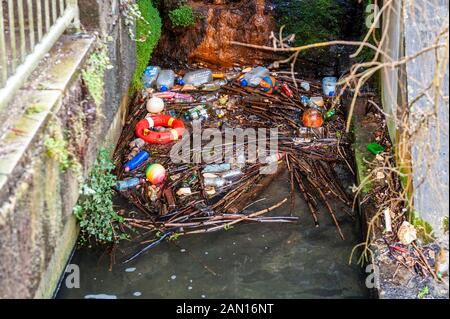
[248, 261]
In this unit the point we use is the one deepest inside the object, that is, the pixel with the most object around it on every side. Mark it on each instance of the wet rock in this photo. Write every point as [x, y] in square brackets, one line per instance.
[219, 22]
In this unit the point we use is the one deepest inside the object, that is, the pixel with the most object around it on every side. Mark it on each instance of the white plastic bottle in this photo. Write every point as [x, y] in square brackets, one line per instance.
[150, 75]
[165, 81]
[198, 77]
[254, 77]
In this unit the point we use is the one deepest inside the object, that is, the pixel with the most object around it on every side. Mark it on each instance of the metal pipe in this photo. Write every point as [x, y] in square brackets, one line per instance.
[39, 19]
[12, 35]
[31, 23]
[3, 57]
[54, 11]
[23, 52]
[47, 15]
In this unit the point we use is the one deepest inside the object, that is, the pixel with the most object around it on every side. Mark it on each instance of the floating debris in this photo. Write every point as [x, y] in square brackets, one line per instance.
[100, 296]
[131, 269]
[196, 196]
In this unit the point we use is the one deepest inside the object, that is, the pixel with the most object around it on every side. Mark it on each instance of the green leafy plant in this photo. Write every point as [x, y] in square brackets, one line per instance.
[57, 149]
[99, 222]
[148, 32]
[183, 17]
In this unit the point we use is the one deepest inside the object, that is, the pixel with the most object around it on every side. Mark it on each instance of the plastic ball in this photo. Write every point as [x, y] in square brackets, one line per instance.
[155, 105]
[156, 173]
[312, 118]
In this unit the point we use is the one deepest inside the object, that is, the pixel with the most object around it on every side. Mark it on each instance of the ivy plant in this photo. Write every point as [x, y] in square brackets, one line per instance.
[99, 222]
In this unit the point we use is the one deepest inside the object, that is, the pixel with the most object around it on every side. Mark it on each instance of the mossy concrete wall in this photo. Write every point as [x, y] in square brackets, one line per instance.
[37, 228]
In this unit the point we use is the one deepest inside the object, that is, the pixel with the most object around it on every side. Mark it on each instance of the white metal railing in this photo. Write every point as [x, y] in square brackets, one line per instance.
[28, 30]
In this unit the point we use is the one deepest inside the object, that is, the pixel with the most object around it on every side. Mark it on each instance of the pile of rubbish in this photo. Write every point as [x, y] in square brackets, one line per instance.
[191, 196]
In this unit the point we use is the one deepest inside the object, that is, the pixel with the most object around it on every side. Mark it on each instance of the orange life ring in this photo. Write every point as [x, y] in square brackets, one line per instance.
[143, 129]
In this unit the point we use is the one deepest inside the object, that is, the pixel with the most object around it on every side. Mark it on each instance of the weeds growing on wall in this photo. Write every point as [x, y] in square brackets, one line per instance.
[99, 222]
[148, 32]
[182, 17]
[57, 148]
[93, 75]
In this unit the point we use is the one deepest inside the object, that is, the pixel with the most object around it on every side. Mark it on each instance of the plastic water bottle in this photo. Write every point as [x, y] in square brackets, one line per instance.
[274, 157]
[329, 86]
[179, 80]
[198, 77]
[129, 183]
[232, 174]
[165, 81]
[196, 113]
[217, 168]
[254, 77]
[150, 75]
[136, 161]
[216, 182]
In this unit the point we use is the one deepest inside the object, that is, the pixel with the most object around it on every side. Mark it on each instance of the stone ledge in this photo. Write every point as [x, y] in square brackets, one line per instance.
[40, 98]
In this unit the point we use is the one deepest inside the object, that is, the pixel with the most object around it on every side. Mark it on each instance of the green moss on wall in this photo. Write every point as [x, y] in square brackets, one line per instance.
[148, 32]
[94, 73]
[424, 230]
[183, 17]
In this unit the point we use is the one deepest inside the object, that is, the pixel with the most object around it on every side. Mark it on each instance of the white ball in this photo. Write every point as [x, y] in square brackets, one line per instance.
[155, 105]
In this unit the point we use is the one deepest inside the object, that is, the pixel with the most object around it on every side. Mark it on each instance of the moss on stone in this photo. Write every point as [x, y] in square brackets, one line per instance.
[183, 17]
[93, 74]
[148, 33]
[362, 170]
[424, 230]
[445, 224]
[35, 109]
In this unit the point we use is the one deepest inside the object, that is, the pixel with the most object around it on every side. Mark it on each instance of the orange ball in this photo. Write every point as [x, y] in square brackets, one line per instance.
[312, 118]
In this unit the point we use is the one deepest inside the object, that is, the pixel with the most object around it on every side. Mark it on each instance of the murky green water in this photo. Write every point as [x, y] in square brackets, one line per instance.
[249, 261]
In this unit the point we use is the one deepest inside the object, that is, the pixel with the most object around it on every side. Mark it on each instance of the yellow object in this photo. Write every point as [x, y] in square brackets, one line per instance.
[218, 75]
[174, 134]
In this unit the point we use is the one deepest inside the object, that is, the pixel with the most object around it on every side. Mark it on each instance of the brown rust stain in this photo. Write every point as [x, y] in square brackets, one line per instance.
[249, 21]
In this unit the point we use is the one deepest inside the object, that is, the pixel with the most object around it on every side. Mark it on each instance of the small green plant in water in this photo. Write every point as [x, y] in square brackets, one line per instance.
[175, 237]
[227, 227]
[424, 292]
[99, 222]
[182, 16]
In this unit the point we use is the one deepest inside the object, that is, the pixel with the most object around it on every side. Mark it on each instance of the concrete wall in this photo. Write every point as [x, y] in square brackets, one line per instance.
[412, 26]
[37, 228]
[424, 20]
